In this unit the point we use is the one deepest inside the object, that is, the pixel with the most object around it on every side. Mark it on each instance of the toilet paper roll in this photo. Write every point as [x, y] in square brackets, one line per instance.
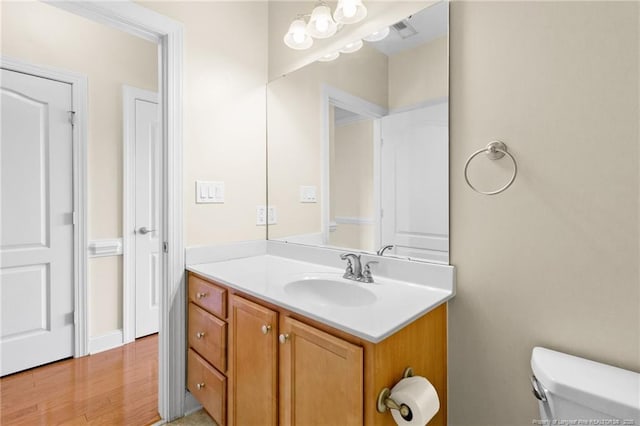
[420, 396]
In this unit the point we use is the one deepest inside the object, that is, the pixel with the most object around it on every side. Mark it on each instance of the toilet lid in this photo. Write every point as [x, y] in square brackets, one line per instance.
[602, 387]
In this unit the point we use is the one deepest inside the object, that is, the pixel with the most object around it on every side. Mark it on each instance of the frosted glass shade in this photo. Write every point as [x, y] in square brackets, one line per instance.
[321, 24]
[378, 35]
[329, 57]
[350, 11]
[354, 46]
[297, 37]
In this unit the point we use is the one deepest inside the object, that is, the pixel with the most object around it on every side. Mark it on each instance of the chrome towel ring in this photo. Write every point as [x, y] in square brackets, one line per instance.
[495, 151]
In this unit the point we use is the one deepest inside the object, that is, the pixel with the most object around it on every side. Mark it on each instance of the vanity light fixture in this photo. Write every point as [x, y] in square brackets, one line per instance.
[297, 37]
[354, 46]
[321, 23]
[350, 11]
[329, 57]
[379, 35]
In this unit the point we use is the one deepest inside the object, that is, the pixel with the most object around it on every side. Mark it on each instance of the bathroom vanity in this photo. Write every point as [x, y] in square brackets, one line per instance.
[262, 351]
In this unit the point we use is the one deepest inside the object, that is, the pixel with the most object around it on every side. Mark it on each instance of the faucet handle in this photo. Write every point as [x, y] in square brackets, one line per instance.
[367, 277]
[348, 273]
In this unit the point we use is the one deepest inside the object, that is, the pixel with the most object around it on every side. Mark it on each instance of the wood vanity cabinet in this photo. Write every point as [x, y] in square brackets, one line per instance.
[253, 369]
[286, 369]
[321, 377]
[207, 352]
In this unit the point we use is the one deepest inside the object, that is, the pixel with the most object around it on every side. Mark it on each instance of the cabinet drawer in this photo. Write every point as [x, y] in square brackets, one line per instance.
[208, 296]
[208, 336]
[208, 386]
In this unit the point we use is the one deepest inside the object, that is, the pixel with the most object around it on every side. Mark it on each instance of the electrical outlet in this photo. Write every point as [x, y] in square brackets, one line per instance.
[272, 217]
[261, 215]
[308, 194]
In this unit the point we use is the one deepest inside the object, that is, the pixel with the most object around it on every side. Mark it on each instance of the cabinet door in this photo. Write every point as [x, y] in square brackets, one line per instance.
[253, 364]
[321, 379]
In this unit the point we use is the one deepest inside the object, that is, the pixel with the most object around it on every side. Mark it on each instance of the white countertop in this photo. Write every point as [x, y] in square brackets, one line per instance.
[397, 304]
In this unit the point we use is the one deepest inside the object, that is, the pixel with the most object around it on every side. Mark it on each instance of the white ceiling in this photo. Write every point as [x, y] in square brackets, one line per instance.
[430, 23]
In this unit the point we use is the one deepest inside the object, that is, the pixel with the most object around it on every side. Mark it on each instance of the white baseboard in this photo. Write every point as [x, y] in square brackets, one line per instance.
[104, 342]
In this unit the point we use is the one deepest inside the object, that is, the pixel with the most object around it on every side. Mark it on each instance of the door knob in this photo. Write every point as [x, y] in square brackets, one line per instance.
[265, 329]
[283, 338]
[144, 230]
[200, 385]
[200, 334]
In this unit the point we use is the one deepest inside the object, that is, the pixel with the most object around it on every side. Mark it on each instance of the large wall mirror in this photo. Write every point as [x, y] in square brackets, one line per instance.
[358, 147]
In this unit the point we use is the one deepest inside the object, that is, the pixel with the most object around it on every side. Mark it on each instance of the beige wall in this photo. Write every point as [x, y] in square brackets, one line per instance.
[553, 261]
[419, 74]
[224, 114]
[294, 136]
[41, 34]
[351, 180]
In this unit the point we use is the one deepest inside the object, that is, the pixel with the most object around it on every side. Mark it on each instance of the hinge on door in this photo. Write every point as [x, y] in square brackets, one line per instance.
[165, 247]
[73, 218]
[72, 117]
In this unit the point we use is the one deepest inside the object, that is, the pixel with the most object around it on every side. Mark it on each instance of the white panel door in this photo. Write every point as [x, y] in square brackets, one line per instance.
[147, 202]
[414, 179]
[36, 229]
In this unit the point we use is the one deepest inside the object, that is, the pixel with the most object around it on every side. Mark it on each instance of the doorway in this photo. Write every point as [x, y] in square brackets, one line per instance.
[141, 195]
[137, 20]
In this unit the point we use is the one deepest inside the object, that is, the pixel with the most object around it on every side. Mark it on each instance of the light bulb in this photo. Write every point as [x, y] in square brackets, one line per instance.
[298, 37]
[349, 10]
[322, 24]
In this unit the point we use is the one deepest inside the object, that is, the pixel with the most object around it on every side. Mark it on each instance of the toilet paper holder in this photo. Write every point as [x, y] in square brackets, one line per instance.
[385, 402]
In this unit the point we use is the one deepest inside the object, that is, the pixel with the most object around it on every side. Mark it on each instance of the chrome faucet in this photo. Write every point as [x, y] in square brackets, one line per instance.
[355, 271]
[382, 249]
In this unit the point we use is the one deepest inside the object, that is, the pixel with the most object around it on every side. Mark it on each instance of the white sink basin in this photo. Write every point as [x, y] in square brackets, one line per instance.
[324, 292]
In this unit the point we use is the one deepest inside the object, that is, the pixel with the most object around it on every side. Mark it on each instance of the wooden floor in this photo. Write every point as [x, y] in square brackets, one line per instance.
[116, 387]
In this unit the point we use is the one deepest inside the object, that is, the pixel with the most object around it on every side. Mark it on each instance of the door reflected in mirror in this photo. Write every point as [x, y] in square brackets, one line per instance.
[358, 147]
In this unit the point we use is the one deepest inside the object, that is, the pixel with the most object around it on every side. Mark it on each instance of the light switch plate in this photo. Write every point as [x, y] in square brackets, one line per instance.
[261, 215]
[272, 217]
[209, 192]
[308, 194]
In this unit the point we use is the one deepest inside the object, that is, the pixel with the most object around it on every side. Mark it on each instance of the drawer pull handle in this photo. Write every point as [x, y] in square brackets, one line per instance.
[201, 295]
[200, 334]
[200, 385]
[283, 338]
[265, 329]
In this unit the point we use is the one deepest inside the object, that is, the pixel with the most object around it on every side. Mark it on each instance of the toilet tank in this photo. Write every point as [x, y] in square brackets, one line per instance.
[579, 391]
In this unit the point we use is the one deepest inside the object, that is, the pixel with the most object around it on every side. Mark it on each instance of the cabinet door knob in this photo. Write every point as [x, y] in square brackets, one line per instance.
[200, 334]
[201, 295]
[200, 385]
[283, 338]
[265, 329]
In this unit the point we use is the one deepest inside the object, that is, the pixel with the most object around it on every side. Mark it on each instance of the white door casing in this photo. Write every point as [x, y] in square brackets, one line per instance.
[414, 180]
[141, 222]
[149, 25]
[37, 234]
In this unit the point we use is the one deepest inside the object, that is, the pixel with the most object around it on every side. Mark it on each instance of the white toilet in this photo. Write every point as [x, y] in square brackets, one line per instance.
[571, 389]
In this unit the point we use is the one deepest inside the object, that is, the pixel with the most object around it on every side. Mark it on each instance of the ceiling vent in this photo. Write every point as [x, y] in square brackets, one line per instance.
[404, 29]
